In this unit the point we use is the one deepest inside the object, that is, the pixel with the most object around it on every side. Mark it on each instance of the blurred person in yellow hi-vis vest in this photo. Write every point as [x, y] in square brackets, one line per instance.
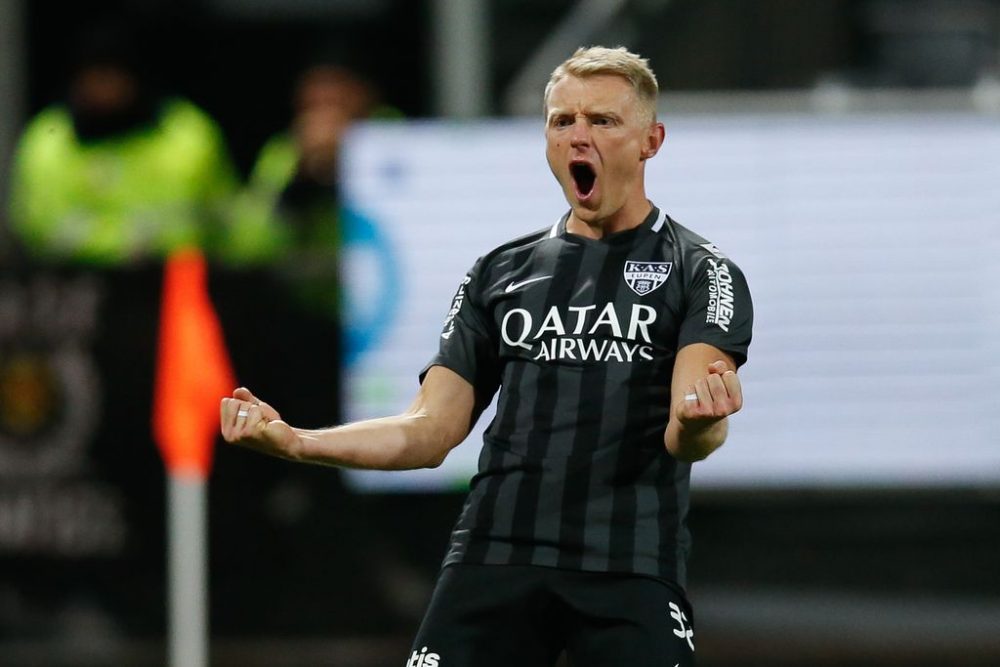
[289, 214]
[119, 174]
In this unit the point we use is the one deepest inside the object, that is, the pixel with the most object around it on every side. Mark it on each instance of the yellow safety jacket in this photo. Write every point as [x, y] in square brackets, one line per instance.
[123, 199]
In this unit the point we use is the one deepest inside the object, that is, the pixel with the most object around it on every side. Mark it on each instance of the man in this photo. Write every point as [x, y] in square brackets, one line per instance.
[119, 174]
[290, 207]
[614, 336]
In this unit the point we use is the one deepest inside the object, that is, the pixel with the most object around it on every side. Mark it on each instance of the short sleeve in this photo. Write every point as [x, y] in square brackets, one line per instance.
[719, 307]
[468, 344]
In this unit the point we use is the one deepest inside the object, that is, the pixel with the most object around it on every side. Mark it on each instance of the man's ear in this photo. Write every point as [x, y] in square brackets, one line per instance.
[653, 140]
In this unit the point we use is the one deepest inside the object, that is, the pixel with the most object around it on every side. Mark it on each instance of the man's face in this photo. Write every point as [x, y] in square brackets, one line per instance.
[597, 138]
[103, 89]
[331, 87]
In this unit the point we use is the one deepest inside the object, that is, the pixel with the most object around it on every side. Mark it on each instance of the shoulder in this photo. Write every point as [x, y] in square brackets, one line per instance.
[689, 241]
[278, 146]
[191, 132]
[182, 109]
[47, 143]
[52, 123]
[694, 249]
[514, 247]
[275, 163]
[183, 116]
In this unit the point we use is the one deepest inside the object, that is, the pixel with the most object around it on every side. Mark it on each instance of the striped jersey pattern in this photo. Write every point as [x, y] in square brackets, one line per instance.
[580, 336]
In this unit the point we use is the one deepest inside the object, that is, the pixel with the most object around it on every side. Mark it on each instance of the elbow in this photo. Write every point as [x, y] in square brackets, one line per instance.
[442, 446]
[435, 460]
[429, 440]
[434, 452]
[434, 463]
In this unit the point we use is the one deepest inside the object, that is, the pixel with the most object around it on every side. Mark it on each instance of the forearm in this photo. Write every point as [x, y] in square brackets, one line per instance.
[438, 419]
[401, 442]
[692, 443]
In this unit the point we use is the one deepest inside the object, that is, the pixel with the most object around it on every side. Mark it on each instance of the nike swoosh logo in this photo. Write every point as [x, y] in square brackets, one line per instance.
[513, 286]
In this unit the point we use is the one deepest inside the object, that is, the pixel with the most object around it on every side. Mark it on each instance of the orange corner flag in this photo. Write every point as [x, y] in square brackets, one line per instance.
[193, 371]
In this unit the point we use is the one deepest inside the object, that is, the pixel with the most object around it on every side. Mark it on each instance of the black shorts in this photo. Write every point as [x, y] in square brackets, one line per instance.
[524, 616]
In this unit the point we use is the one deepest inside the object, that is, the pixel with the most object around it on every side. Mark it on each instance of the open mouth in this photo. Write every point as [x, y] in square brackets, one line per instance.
[584, 177]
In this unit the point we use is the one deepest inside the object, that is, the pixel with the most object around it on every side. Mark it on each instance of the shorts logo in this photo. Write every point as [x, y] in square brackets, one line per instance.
[684, 630]
[644, 277]
[424, 659]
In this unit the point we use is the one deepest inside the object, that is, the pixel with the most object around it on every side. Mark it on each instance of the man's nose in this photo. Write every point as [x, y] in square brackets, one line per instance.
[580, 134]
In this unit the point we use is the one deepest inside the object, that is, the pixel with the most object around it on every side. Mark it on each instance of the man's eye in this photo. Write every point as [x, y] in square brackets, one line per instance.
[562, 122]
[602, 120]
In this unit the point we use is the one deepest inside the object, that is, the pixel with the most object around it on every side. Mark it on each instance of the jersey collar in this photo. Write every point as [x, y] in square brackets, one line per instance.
[654, 222]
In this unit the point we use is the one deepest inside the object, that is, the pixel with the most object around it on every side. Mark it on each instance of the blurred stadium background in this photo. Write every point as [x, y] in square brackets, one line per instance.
[845, 152]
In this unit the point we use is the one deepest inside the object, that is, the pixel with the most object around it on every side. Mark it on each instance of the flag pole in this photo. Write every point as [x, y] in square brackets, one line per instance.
[193, 373]
[188, 584]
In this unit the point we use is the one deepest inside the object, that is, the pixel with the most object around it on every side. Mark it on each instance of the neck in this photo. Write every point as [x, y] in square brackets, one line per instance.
[627, 217]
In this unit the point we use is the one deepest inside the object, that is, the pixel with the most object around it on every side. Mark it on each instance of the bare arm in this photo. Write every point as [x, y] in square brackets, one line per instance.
[439, 418]
[698, 427]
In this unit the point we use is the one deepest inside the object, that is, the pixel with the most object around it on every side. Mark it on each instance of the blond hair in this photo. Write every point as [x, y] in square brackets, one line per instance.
[596, 60]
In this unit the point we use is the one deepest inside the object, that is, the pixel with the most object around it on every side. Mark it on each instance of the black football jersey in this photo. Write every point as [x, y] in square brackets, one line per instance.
[580, 337]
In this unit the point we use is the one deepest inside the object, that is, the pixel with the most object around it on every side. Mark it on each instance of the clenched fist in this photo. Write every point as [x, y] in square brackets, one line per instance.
[713, 397]
[249, 422]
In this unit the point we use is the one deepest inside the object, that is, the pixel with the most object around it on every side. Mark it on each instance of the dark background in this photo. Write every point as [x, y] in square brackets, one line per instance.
[799, 577]
[239, 60]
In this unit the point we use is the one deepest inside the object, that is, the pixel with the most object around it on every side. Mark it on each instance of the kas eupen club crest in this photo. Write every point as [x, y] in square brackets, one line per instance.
[644, 277]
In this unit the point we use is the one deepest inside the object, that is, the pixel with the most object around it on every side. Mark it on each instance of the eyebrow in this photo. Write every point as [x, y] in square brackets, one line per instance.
[556, 113]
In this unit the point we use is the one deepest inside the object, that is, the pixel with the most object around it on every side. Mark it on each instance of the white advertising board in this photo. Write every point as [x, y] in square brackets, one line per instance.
[871, 245]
